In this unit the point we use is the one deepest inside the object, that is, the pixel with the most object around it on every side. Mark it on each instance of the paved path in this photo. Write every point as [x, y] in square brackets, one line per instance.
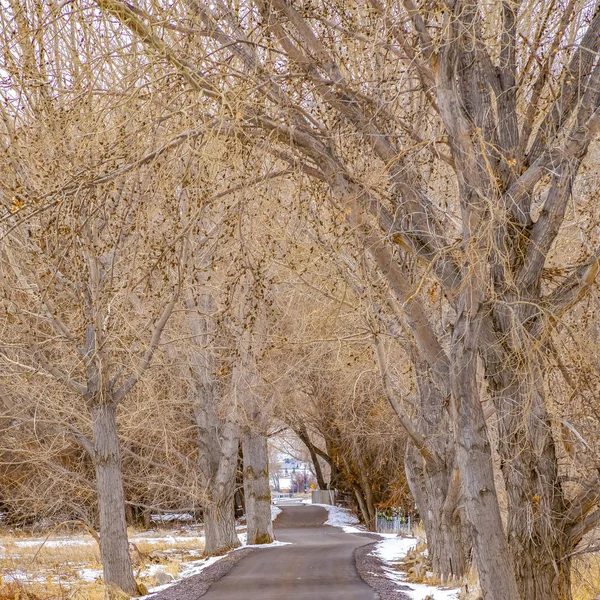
[319, 566]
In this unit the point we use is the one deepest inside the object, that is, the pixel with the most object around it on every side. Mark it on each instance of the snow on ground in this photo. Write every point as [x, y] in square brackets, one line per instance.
[55, 543]
[197, 566]
[89, 574]
[391, 551]
[83, 541]
[341, 517]
[275, 510]
[167, 517]
[349, 523]
[189, 569]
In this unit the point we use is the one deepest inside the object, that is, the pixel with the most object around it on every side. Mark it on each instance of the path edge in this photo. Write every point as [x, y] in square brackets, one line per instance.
[370, 570]
[196, 586]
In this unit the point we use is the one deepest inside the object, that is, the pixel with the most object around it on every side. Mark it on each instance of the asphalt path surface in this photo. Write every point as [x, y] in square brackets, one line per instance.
[318, 566]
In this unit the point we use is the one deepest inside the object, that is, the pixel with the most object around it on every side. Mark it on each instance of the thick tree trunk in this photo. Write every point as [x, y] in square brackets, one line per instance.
[474, 460]
[256, 489]
[114, 553]
[536, 502]
[219, 526]
[431, 488]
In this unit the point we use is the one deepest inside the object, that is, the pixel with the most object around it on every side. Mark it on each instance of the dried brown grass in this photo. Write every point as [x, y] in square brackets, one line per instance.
[49, 572]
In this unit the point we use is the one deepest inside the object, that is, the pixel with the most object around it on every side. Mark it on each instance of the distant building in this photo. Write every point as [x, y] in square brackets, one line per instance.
[293, 476]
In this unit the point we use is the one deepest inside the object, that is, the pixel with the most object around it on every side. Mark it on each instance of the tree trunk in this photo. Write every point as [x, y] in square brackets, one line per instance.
[114, 553]
[474, 460]
[536, 502]
[434, 481]
[129, 515]
[304, 437]
[219, 526]
[365, 484]
[361, 502]
[256, 489]
[446, 539]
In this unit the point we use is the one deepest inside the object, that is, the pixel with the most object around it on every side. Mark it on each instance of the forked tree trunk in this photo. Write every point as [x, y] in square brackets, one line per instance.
[474, 460]
[536, 502]
[219, 526]
[257, 490]
[114, 552]
[447, 546]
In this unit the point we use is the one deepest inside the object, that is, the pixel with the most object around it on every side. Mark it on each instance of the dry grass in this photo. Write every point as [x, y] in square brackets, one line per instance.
[54, 570]
[586, 577]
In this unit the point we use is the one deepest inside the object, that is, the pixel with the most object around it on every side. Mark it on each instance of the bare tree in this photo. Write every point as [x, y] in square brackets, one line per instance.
[508, 139]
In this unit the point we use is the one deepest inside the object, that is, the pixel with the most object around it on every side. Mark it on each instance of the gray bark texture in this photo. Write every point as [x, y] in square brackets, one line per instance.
[219, 526]
[436, 500]
[257, 490]
[218, 454]
[539, 544]
[216, 427]
[114, 553]
[247, 386]
[474, 461]
[430, 465]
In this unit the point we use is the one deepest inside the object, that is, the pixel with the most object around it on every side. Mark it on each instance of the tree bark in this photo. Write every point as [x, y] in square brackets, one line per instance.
[432, 491]
[361, 502]
[256, 489]
[305, 439]
[536, 502]
[365, 484]
[219, 525]
[474, 460]
[116, 563]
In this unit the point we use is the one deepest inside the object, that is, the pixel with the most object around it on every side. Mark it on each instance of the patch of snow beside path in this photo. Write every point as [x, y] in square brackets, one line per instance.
[341, 517]
[197, 566]
[391, 551]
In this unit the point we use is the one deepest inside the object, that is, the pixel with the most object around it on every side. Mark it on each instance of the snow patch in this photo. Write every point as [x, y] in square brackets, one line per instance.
[56, 543]
[243, 537]
[190, 568]
[275, 511]
[197, 566]
[391, 551]
[89, 574]
[342, 518]
[167, 517]
[273, 544]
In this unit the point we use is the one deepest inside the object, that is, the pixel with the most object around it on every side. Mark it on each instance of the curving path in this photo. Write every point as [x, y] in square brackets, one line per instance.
[319, 566]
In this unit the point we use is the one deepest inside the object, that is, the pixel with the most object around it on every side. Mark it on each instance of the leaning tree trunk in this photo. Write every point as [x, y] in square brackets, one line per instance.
[114, 552]
[302, 433]
[257, 490]
[219, 526]
[365, 484]
[432, 489]
[536, 503]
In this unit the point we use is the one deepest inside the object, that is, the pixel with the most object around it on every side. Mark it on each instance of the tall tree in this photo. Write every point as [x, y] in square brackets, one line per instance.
[502, 124]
